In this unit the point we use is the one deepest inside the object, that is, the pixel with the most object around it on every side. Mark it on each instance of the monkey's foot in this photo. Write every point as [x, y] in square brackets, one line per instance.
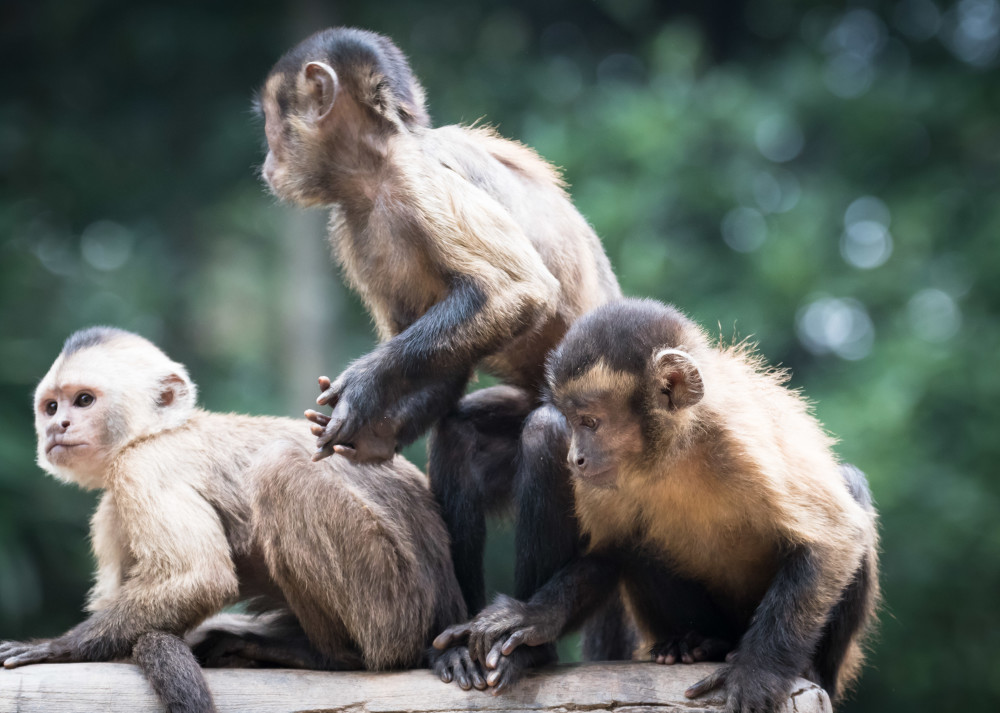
[690, 648]
[748, 689]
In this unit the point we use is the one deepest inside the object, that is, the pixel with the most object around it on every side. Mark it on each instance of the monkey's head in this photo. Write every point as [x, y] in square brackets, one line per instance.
[330, 102]
[105, 389]
[625, 379]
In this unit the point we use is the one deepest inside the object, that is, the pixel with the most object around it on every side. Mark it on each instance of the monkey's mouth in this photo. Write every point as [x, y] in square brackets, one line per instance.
[604, 479]
[61, 444]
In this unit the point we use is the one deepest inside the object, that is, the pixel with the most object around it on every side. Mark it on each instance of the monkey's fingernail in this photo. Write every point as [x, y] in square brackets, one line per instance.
[492, 660]
[491, 679]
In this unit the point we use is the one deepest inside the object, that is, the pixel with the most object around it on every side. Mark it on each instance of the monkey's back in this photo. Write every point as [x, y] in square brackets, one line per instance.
[531, 193]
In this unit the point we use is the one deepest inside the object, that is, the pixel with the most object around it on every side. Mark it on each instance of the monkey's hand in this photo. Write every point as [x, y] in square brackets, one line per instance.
[689, 648]
[510, 636]
[20, 653]
[749, 689]
[346, 432]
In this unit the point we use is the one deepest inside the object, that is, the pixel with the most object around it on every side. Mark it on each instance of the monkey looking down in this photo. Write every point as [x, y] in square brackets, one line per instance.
[346, 564]
[710, 497]
[467, 252]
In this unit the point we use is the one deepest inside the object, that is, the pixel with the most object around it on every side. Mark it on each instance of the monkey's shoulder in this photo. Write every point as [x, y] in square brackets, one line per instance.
[486, 159]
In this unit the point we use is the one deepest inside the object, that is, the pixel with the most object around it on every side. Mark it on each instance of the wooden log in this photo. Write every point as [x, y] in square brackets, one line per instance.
[623, 687]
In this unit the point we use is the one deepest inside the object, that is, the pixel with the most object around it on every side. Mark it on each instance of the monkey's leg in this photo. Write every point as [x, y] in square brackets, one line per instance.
[610, 634]
[784, 632]
[173, 672]
[685, 622]
[546, 534]
[471, 466]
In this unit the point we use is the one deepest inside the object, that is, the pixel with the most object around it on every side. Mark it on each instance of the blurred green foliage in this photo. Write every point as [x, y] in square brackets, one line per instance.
[822, 176]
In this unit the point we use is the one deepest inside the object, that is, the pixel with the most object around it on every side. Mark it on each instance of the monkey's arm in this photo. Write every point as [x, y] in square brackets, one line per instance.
[498, 287]
[782, 636]
[181, 572]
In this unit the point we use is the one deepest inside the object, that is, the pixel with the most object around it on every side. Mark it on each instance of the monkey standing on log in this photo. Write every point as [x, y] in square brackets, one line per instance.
[466, 251]
[711, 497]
[347, 563]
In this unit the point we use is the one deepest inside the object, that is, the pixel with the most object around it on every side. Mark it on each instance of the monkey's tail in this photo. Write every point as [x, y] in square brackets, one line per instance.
[173, 672]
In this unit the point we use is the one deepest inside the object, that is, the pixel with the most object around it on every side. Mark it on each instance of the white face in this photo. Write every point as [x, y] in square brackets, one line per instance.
[72, 410]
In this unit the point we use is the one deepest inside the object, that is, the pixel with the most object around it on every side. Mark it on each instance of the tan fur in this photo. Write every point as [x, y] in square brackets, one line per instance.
[744, 472]
[193, 500]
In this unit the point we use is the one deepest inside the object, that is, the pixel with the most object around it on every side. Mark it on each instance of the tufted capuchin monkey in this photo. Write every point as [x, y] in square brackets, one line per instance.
[346, 564]
[711, 499]
[467, 252]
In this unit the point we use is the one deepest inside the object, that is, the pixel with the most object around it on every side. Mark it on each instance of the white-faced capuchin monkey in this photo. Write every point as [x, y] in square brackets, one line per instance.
[710, 499]
[468, 254]
[347, 564]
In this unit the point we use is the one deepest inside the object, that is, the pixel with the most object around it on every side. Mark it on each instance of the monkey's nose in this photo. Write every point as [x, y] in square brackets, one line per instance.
[65, 424]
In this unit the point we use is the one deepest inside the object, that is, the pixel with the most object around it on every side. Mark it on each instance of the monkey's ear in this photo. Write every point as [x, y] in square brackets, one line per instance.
[322, 87]
[174, 390]
[677, 379]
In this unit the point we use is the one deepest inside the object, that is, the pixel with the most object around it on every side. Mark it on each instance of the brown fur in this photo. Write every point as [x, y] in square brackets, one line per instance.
[735, 479]
[201, 510]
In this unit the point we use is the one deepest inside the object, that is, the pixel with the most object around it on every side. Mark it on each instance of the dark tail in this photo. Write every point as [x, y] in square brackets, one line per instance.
[173, 672]
[840, 654]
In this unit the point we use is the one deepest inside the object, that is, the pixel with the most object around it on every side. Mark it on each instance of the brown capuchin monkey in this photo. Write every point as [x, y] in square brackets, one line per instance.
[346, 564]
[711, 499]
[468, 254]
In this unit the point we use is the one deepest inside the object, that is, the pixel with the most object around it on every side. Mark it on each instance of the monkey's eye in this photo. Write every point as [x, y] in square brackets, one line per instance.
[84, 400]
[51, 407]
[589, 422]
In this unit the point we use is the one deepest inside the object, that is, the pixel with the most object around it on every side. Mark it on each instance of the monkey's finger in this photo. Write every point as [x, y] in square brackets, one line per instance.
[452, 636]
[493, 657]
[322, 453]
[668, 655]
[501, 678]
[518, 638]
[12, 648]
[331, 433]
[35, 655]
[346, 451]
[685, 650]
[320, 419]
[709, 683]
[478, 681]
[324, 383]
[712, 650]
[329, 397]
[316, 430]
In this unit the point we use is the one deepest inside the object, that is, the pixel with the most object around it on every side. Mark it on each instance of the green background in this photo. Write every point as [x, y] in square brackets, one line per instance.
[822, 176]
